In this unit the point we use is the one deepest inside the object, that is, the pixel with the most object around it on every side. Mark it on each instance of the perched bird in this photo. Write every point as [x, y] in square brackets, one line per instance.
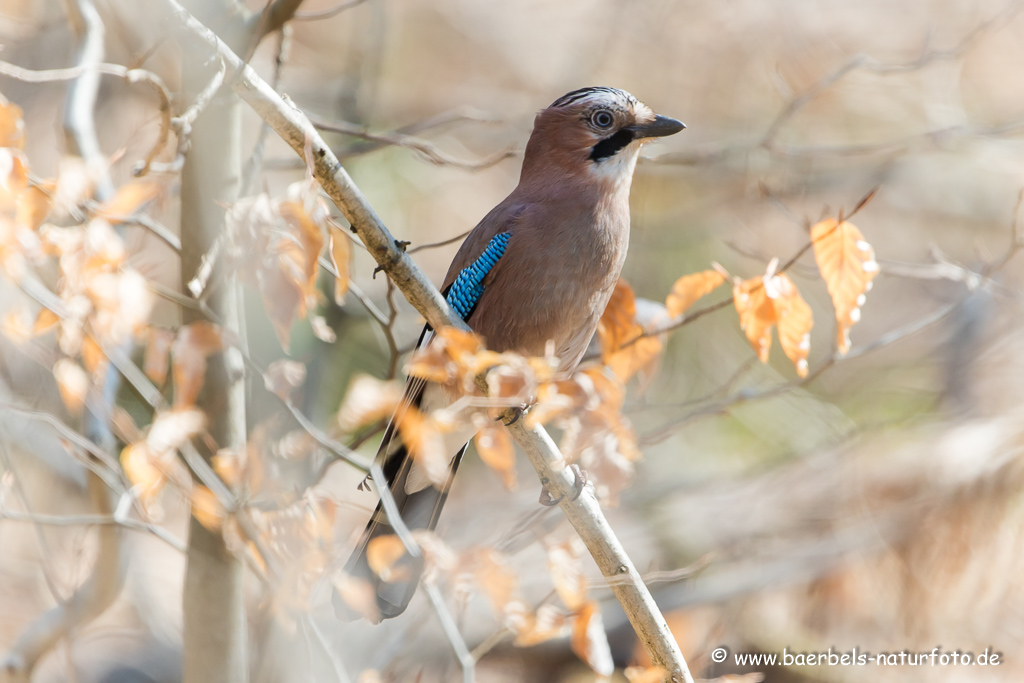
[538, 269]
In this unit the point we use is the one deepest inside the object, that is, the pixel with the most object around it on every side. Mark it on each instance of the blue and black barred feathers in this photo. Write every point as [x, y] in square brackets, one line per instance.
[468, 287]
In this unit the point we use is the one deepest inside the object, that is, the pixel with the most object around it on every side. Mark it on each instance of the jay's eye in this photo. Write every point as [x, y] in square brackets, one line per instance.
[602, 119]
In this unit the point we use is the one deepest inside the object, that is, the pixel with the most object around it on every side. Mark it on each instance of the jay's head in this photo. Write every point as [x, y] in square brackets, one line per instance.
[594, 134]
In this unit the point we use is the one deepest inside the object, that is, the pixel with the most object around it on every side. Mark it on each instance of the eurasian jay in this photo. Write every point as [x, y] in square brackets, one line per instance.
[537, 270]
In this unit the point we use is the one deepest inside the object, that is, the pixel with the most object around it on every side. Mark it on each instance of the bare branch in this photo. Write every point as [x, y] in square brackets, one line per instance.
[132, 76]
[94, 520]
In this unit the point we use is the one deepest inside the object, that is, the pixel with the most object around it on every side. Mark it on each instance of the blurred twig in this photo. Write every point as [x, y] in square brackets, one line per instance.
[427, 150]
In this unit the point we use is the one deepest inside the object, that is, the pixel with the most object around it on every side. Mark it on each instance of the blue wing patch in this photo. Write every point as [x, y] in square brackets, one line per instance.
[468, 287]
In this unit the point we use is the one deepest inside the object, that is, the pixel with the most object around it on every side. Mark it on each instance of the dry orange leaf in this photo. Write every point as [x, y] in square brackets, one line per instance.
[643, 674]
[624, 349]
[847, 262]
[498, 581]
[795, 320]
[194, 344]
[128, 199]
[382, 553]
[689, 288]
[141, 470]
[422, 436]
[495, 448]
[589, 640]
[45, 321]
[367, 400]
[547, 623]
[283, 376]
[171, 429]
[73, 383]
[618, 321]
[341, 257]
[34, 204]
[757, 314]
[762, 302]
[359, 595]
[567, 574]
[12, 125]
[206, 508]
[640, 355]
[17, 325]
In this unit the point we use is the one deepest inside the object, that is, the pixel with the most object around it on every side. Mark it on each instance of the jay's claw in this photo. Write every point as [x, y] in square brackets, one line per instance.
[517, 413]
[578, 485]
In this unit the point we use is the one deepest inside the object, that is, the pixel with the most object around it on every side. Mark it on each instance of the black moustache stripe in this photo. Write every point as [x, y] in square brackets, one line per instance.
[611, 145]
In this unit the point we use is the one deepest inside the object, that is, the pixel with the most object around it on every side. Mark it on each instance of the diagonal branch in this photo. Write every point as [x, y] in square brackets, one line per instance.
[584, 513]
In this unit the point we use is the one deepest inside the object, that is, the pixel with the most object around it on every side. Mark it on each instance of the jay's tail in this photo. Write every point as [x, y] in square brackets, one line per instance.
[420, 509]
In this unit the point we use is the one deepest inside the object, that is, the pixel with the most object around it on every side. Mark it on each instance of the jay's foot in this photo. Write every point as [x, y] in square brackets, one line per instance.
[517, 412]
[578, 485]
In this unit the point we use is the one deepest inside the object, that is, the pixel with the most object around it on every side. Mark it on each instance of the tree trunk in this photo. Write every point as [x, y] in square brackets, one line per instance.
[215, 627]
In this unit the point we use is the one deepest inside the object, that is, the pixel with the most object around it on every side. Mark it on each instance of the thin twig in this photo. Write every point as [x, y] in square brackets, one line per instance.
[427, 150]
[443, 243]
[94, 520]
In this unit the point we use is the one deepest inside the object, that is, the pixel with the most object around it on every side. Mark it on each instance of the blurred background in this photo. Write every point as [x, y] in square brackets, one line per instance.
[874, 506]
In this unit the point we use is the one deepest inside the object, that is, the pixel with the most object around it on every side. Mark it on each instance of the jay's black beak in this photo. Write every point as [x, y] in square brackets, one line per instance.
[658, 128]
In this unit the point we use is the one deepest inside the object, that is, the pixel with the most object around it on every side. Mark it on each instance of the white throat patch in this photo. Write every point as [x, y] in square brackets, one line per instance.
[617, 170]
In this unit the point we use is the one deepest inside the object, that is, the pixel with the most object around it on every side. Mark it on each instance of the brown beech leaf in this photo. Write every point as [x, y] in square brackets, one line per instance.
[45, 321]
[495, 448]
[17, 325]
[547, 623]
[139, 465]
[637, 356]
[368, 400]
[34, 204]
[158, 348]
[567, 574]
[359, 595]
[93, 358]
[618, 321]
[689, 288]
[341, 257]
[795, 320]
[206, 508]
[624, 349]
[171, 429]
[195, 343]
[73, 383]
[645, 674]
[311, 239]
[283, 376]
[382, 553]
[128, 199]
[495, 577]
[847, 263]
[589, 640]
[423, 437]
[757, 314]
[12, 125]
[438, 557]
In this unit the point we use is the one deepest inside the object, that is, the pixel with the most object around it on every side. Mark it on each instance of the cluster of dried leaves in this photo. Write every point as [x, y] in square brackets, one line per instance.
[275, 243]
[846, 262]
[101, 300]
